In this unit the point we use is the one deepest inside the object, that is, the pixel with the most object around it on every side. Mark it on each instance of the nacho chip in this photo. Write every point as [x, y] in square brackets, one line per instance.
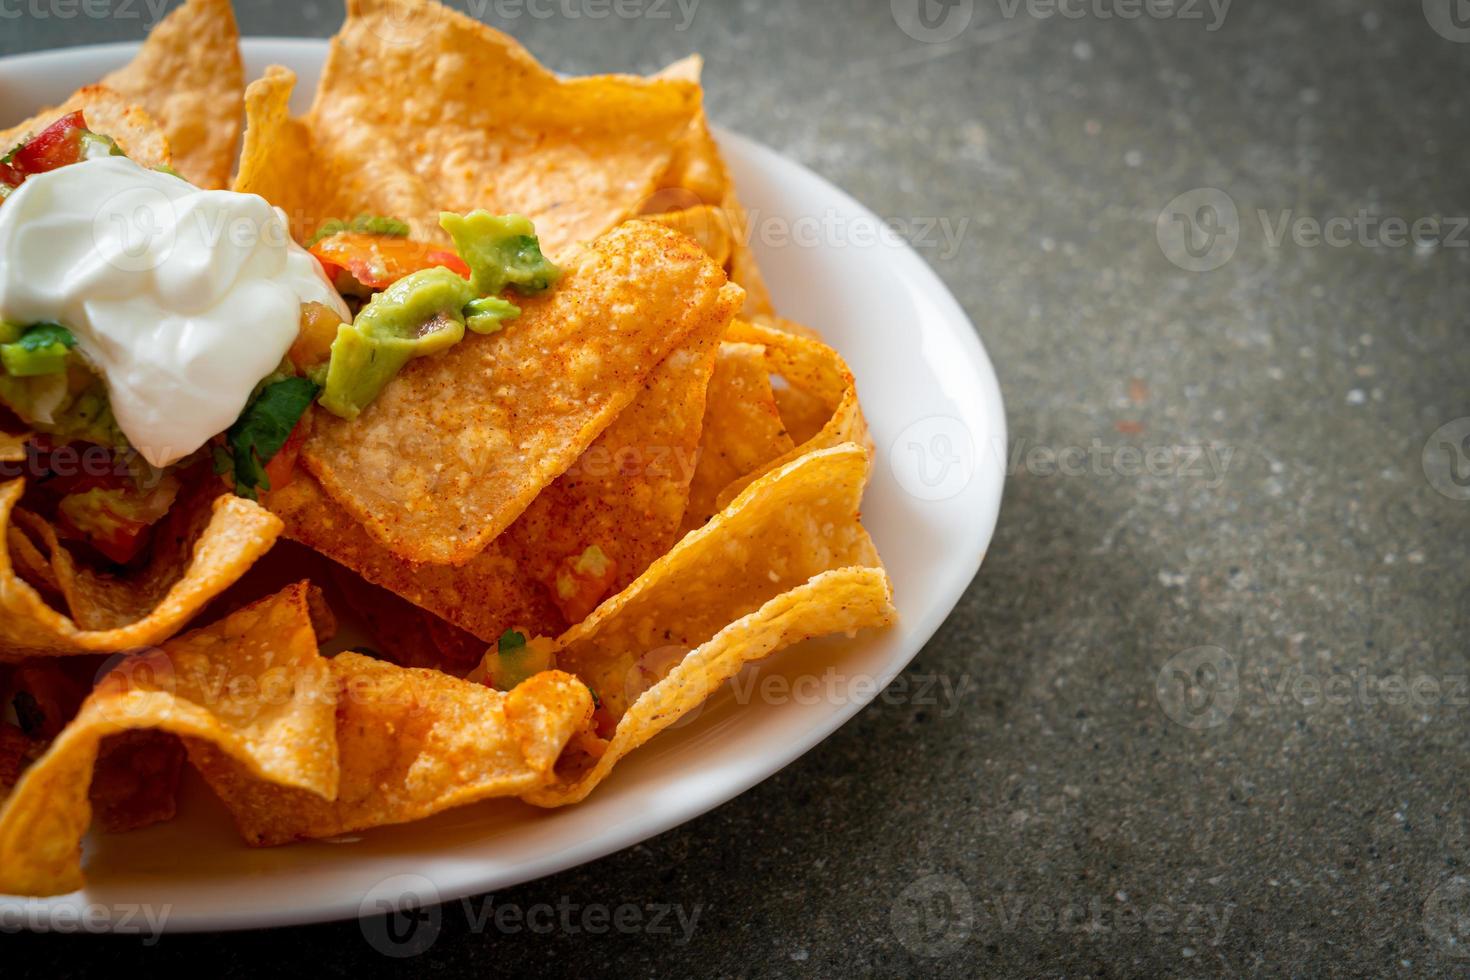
[626, 495]
[704, 223]
[251, 685]
[411, 743]
[108, 113]
[819, 373]
[189, 77]
[743, 429]
[135, 783]
[699, 170]
[422, 109]
[232, 534]
[785, 561]
[457, 446]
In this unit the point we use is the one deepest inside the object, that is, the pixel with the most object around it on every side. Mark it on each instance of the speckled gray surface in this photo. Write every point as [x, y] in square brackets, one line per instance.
[1076, 810]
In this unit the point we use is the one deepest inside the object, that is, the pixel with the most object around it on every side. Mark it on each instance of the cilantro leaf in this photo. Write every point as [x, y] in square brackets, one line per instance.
[263, 429]
[45, 335]
[510, 641]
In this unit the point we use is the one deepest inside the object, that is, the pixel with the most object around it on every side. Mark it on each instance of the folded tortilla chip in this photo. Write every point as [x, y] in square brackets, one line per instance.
[411, 743]
[232, 534]
[136, 780]
[422, 109]
[458, 445]
[108, 113]
[626, 494]
[189, 77]
[787, 560]
[819, 373]
[252, 686]
[743, 429]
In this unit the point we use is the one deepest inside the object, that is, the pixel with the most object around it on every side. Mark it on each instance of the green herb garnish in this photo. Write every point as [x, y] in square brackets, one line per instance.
[363, 224]
[258, 435]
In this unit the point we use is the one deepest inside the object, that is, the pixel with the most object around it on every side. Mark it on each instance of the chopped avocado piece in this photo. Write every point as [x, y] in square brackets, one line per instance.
[501, 251]
[419, 315]
[41, 349]
[363, 224]
[515, 661]
[263, 429]
[592, 562]
[489, 315]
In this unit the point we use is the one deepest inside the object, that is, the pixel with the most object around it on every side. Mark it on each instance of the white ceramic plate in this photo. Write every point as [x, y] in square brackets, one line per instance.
[932, 400]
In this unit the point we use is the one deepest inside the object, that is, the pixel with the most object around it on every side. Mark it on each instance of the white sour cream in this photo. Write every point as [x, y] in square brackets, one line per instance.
[182, 299]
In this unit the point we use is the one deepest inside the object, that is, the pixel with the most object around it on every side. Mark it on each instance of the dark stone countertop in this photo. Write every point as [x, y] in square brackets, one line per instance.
[1069, 812]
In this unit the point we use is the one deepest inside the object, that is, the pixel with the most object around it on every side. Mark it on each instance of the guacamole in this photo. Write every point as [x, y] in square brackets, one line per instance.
[428, 311]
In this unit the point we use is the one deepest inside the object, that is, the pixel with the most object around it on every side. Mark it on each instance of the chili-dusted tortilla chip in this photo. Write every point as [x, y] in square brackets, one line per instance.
[626, 495]
[136, 780]
[704, 223]
[411, 743]
[458, 445]
[787, 560]
[251, 685]
[819, 373]
[232, 534]
[699, 169]
[743, 429]
[403, 633]
[189, 77]
[108, 113]
[422, 109]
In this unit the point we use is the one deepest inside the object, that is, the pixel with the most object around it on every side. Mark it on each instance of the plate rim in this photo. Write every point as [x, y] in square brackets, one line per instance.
[470, 878]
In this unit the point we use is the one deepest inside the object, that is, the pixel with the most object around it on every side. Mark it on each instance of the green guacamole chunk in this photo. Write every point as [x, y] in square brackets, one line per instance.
[419, 315]
[501, 251]
[41, 349]
[429, 311]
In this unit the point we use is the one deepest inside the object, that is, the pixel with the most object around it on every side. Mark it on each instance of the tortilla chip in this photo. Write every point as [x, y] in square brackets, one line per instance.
[486, 597]
[277, 160]
[273, 713]
[626, 494]
[422, 109]
[704, 223]
[232, 534]
[188, 76]
[136, 780]
[817, 371]
[405, 634]
[26, 557]
[699, 169]
[458, 445]
[411, 744]
[785, 561]
[108, 113]
[742, 428]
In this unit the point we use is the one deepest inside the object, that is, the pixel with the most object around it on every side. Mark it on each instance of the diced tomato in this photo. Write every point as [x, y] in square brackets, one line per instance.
[281, 470]
[580, 582]
[313, 346]
[378, 261]
[58, 145]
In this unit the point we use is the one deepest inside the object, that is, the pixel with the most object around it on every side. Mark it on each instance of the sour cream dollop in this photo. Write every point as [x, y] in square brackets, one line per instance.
[182, 299]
